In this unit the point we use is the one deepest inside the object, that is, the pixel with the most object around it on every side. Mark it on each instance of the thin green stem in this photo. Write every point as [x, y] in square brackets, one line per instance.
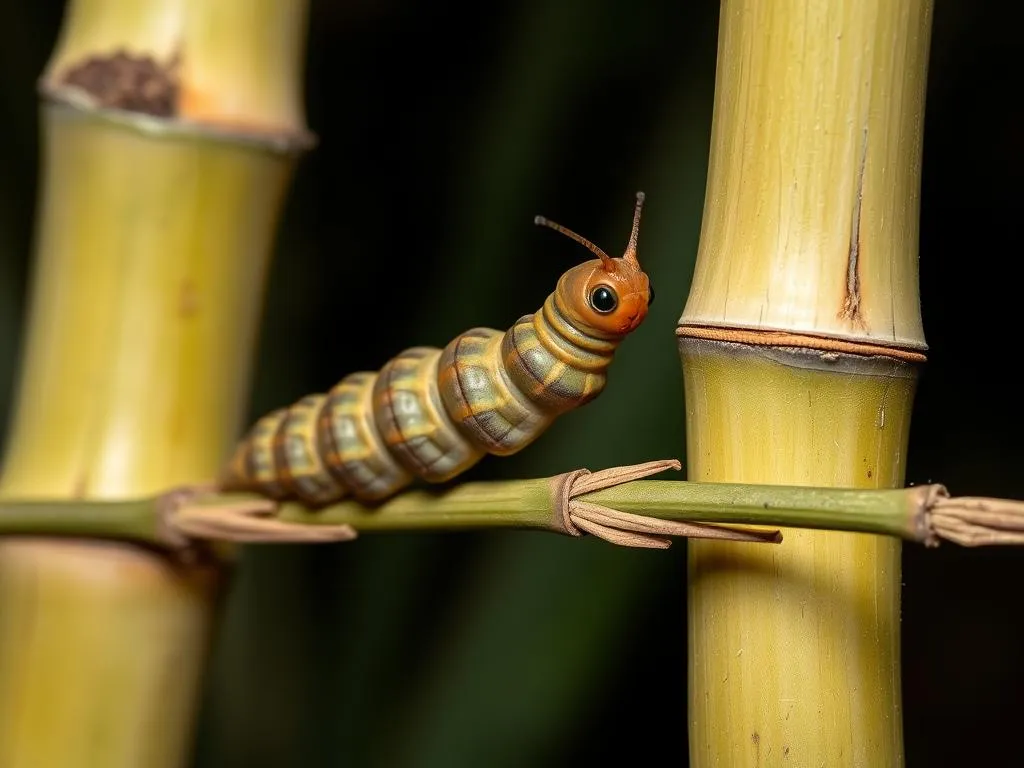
[530, 504]
[135, 519]
[508, 504]
[502, 504]
[864, 511]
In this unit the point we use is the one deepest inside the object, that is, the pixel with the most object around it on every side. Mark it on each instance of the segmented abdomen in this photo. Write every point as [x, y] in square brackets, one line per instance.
[429, 414]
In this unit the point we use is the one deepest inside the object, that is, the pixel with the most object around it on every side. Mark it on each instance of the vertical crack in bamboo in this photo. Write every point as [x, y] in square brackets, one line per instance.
[851, 301]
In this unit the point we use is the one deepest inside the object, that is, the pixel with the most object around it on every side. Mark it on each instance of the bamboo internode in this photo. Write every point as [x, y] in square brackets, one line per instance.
[811, 212]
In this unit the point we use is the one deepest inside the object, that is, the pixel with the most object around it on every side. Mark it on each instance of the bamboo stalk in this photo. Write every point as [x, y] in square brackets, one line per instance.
[164, 170]
[799, 344]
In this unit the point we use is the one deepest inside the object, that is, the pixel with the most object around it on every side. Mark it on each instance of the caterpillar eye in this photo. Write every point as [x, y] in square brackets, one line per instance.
[650, 294]
[603, 299]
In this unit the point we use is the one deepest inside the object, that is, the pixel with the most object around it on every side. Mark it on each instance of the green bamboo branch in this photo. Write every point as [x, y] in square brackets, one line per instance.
[134, 520]
[616, 504]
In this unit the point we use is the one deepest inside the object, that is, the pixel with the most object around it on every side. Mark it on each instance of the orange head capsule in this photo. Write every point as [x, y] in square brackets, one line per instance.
[605, 297]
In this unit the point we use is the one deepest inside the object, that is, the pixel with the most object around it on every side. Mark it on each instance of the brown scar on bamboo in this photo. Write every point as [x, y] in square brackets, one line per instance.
[851, 297]
[188, 299]
[79, 487]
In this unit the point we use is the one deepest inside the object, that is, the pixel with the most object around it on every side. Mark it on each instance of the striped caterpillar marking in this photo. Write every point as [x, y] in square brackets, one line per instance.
[432, 414]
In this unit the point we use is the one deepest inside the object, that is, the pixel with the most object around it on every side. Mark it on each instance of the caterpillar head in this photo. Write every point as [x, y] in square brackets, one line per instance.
[605, 297]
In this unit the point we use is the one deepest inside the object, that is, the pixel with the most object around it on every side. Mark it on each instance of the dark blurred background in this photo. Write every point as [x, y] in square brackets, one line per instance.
[444, 128]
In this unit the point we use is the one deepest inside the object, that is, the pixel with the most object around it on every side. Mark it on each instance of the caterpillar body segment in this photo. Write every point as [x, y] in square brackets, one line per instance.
[433, 413]
[491, 410]
[412, 417]
[298, 457]
[351, 444]
[254, 460]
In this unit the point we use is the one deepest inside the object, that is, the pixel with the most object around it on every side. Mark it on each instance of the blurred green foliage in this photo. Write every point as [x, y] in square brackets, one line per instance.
[444, 128]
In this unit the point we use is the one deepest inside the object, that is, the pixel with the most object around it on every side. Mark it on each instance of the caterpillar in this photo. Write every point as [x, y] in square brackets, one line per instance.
[433, 413]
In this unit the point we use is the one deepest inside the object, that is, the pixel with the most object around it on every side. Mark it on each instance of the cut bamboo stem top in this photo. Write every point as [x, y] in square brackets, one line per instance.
[233, 65]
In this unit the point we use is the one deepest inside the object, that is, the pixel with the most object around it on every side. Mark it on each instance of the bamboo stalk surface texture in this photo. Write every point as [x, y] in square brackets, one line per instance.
[169, 132]
[799, 345]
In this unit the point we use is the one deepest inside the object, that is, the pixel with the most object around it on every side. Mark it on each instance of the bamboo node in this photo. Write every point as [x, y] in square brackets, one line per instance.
[627, 529]
[244, 521]
[776, 338]
[922, 500]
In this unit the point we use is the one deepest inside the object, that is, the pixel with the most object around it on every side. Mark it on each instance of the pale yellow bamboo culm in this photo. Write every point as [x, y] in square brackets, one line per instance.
[799, 344]
[170, 130]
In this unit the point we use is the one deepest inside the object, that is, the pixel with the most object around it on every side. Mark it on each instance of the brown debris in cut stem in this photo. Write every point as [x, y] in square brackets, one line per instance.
[123, 81]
